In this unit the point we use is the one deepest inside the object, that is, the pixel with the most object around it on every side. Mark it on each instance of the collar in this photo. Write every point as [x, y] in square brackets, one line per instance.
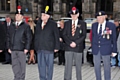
[76, 22]
[18, 22]
[103, 23]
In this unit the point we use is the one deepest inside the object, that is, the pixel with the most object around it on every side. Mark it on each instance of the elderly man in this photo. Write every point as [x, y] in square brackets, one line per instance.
[103, 44]
[74, 35]
[46, 43]
[19, 40]
[7, 24]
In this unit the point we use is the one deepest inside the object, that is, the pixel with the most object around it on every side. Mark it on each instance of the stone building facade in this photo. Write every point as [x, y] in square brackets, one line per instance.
[61, 8]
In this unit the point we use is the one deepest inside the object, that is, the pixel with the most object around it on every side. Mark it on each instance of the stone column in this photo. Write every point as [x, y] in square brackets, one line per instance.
[57, 6]
[88, 8]
[12, 5]
[116, 9]
[12, 8]
[39, 7]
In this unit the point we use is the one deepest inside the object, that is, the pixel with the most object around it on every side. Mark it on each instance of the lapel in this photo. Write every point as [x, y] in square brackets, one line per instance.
[78, 28]
[47, 23]
[106, 25]
[70, 24]
[96, 28]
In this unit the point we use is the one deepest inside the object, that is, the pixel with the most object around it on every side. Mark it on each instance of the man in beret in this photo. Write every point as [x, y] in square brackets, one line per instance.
[46, 43]
[19, 40]
[103, 45]
[74, 35]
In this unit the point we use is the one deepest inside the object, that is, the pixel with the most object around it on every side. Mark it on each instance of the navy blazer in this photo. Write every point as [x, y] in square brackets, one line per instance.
[104, 45]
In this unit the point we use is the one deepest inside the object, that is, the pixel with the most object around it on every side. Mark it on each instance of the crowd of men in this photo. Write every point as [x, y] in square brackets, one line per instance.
[16, 38]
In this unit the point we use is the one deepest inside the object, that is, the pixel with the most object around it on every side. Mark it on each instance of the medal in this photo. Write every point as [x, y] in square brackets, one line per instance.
[108, 36]
[80, 31]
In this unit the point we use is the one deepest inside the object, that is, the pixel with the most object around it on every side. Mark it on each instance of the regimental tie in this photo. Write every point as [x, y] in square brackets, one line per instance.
[73, 28]
[100, 30]
[44, 23]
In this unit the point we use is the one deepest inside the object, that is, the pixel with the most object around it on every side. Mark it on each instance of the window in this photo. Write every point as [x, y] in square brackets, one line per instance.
[5, 5]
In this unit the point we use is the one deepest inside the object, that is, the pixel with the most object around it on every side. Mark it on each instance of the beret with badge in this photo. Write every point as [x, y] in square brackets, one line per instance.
[46, 11]
[19, 11]
[100, 13]
[74, 11]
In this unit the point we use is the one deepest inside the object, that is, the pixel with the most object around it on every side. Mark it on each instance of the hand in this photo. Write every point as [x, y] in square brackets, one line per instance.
[73, 44]
[9, 51]
[61, 40]
[113, 54]
[55, 50]
[25, 51]
[1, 51]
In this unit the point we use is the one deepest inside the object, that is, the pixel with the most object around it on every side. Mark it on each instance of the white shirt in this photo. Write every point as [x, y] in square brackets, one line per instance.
[43, 23]
[8, 24]
[103, 27]
[76, 22]
[18, 23]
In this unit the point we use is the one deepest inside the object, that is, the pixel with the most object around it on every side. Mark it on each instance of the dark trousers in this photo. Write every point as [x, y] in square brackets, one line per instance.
[45, 64]
[61, 56]
[7, 56]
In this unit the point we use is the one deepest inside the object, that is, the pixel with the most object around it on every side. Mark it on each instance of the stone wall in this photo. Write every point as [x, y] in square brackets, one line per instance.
[116, 9]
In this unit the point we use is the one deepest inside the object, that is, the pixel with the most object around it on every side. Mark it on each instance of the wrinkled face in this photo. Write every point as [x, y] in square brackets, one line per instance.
[7, 19]
[74, 17]
[44, 16]
[101, 19]
[18, 17]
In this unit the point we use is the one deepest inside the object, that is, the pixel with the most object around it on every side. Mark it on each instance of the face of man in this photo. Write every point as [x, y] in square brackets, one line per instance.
[101, 19]
[8, 19]
[116, 23]
[44, 16]
[74, 17]
[18, 17]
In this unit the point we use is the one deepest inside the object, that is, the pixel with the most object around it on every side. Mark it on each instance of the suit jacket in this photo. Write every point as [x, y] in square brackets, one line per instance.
[102, 44]
[47, 38]
[2, 35]
[78, 38]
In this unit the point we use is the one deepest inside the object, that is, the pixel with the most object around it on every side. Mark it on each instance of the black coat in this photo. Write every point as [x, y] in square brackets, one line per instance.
[62, 44]
[78, 38]
[19, 38]
[48, 38]
[2, 35]
[117, 31]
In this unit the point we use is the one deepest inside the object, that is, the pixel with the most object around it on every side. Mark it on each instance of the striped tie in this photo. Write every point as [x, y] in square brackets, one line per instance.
[73, 28]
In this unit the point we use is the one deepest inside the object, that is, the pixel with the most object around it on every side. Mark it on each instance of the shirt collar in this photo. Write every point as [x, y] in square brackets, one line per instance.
[103, 23]
[76, 22]
[19, 22]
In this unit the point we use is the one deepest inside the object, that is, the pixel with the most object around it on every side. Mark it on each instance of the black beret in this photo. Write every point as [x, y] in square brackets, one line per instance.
[100, 13]
[48, 12]
[74, 11]
[19, 12]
